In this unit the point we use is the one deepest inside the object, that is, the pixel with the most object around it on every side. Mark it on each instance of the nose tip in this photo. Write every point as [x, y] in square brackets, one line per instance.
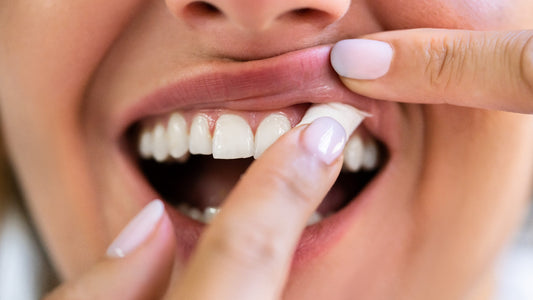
[259, 15]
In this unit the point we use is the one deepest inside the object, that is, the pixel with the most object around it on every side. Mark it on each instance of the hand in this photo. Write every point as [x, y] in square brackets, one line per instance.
[246, 252]
[490, 70]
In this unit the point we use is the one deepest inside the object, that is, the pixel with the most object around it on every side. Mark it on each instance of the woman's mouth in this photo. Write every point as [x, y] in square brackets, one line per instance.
[189, 143]
[193, 159]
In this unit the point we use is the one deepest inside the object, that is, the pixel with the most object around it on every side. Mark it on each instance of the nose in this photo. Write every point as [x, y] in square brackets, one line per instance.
[258, 15]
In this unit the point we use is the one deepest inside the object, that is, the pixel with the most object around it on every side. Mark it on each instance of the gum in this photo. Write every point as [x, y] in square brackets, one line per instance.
[293, 113]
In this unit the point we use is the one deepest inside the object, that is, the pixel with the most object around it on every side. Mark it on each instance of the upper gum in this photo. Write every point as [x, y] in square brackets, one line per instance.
[254, 118]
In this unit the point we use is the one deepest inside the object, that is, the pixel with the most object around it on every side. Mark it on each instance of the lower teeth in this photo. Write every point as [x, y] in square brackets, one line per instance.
[194, 213]
[210, 212]
[198, 188]
[315, 218]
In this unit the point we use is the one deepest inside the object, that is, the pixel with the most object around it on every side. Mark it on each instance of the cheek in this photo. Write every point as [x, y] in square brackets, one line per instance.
[475, 185]
[470, 14]
[48, 50]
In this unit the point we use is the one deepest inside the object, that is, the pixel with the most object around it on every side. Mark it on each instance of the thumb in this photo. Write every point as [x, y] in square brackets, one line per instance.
[491, 70]
[138, 264]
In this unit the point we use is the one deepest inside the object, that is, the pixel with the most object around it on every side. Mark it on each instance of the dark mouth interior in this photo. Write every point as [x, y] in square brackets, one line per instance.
[203, 181]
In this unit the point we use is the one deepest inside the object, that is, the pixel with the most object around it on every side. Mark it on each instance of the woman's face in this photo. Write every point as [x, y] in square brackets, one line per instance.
[79, 79]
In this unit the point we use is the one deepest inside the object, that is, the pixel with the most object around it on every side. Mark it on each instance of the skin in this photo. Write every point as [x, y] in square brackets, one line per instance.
[458, 192]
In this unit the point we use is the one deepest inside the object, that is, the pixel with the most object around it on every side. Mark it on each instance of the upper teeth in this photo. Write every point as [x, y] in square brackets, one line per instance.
[160, 144]
[233, 137]
[359, 154]
[200, 141]
[270, 129]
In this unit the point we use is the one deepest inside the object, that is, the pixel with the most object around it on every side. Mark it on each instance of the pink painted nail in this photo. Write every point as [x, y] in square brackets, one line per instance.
[325, 138]
[137, 230]
[361, 59]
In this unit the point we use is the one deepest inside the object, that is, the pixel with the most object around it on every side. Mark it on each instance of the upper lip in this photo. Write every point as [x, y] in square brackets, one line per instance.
[303, 76]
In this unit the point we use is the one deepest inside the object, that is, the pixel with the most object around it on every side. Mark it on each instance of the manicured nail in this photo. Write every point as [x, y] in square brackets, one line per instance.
[137, 230]
[361, 59]
[325, 138]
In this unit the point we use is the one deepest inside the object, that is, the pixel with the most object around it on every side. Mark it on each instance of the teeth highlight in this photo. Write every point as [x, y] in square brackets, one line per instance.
[200, 141]
[348, 116]
[177, 137]
[233, 138]
[270, 129]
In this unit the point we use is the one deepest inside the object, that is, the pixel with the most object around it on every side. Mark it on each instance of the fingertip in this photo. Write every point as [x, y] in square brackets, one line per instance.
[142, 271]
[147, 269]
[325, 139]
[137, 230]
[361, 59]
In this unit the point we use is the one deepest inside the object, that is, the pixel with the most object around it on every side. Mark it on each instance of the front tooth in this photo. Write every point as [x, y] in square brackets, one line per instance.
[270, 129]
[178, 141]
[145, 143]
[200, 139]
[370, 155]
[314, 218]
[233, 138]
[348, 116]
[353, 153]
[160, 143]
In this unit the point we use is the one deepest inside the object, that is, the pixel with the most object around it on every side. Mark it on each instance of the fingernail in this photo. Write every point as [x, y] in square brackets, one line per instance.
[137, 230]
[325, 138]
[361, 59]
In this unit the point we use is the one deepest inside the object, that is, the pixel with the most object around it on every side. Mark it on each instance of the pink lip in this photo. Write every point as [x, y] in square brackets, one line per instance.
[303, 76]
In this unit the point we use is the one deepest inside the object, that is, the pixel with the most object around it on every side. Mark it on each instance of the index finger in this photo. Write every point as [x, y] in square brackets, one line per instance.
[246, 251]
[490, 70]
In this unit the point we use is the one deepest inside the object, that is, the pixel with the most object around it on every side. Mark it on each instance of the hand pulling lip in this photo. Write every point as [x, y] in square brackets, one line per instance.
[302, 76]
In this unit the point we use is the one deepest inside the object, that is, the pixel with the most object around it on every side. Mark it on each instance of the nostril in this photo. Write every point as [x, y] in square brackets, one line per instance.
[259, 15]
[201, 9]
[303, 11]
[308, 14]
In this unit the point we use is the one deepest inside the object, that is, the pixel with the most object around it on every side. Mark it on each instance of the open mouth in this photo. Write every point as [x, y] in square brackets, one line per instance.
[193, 159]
[188, 143]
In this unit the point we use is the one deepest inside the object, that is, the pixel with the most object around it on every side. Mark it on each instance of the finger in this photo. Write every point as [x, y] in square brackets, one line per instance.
[492, 70]
[247, 250]
[138, 263]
